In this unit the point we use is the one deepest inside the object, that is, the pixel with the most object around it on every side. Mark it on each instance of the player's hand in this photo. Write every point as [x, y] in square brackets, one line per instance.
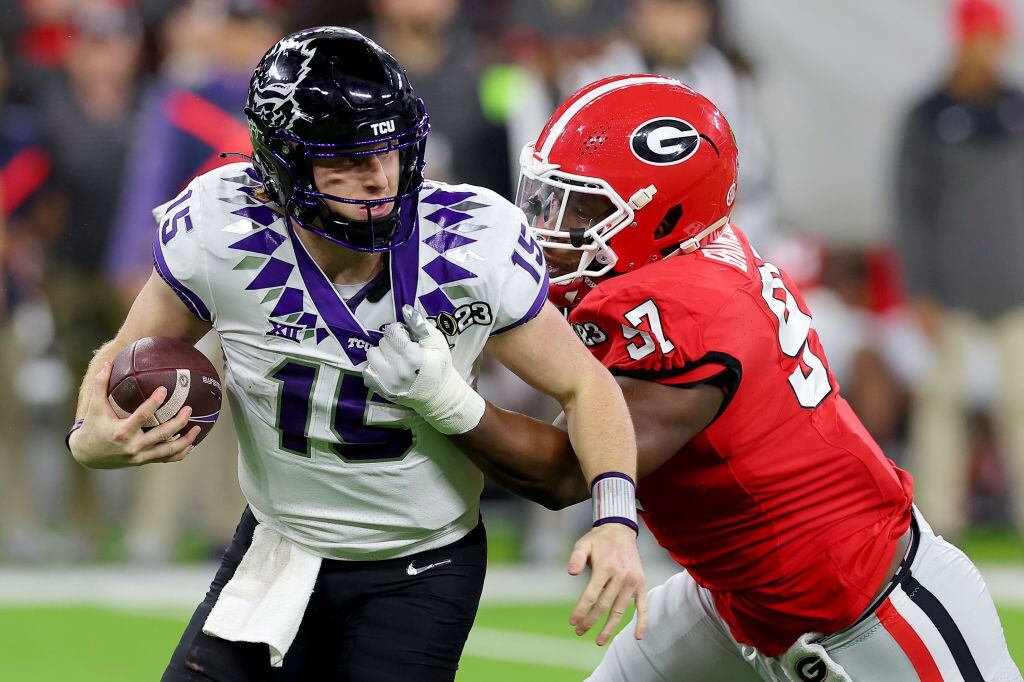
[412, 366]
[395, 364]
[106, 442]
[616, 578]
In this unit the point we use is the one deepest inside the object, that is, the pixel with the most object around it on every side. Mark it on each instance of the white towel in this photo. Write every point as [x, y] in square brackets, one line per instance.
[267, 597]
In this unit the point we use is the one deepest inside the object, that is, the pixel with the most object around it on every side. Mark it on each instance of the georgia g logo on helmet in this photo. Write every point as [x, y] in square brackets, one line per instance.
[664, 141]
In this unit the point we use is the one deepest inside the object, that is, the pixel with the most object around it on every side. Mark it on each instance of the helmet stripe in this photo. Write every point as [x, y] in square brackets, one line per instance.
[587, 98]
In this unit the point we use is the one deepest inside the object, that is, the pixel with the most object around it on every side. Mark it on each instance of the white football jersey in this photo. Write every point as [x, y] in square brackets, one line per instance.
[341, 472]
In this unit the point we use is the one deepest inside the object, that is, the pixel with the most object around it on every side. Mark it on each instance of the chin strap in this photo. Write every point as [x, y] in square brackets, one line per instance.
[693, 243]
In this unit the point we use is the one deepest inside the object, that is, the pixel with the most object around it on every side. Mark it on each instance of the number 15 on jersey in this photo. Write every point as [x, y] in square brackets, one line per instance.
[352, 439]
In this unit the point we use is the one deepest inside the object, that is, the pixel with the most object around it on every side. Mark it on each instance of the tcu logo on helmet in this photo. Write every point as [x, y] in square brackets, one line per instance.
[273, 97]
[383, 128]
[664, 141]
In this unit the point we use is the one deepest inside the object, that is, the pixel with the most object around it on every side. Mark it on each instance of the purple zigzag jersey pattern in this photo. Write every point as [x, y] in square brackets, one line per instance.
[264, 241]
[436, 302]
[444, 271]
[321, 334]
[446, 217]
[262, 214]
[249, 183]
[440, 197]
[274, 274]
[249, 191]
[446, 241]
[308, 320]
[289, 302]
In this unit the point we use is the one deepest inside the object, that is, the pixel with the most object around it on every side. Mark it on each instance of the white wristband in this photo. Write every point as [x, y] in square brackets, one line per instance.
[614, 499]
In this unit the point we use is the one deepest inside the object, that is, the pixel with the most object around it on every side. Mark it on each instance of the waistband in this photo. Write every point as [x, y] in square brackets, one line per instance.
[902, 571]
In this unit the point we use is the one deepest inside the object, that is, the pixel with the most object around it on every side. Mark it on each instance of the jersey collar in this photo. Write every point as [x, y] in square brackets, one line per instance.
[340, 320]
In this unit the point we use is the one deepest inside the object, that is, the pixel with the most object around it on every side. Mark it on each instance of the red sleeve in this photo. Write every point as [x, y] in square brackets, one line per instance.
[653, 333]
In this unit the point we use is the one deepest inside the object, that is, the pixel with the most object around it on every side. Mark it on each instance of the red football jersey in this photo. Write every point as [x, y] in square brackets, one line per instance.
[784, 507]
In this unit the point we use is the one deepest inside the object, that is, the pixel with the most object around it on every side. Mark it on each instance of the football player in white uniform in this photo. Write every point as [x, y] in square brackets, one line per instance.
[361, 553]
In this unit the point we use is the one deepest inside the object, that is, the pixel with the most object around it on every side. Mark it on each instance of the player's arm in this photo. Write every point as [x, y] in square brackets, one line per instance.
[412, 365]
[535, 460]
[104, 441]
[548, 355]
[528, 457]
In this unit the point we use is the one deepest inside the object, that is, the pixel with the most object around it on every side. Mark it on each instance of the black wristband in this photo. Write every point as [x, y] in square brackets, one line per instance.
[74, 427]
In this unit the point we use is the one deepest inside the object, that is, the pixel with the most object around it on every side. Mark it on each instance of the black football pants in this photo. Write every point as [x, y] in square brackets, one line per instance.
[367, 621]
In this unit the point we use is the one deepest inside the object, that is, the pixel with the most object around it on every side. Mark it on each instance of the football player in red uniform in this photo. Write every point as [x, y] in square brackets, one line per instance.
[805, 558]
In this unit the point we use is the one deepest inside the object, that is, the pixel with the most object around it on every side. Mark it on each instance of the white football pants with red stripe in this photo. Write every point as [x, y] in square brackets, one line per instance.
[938, 623]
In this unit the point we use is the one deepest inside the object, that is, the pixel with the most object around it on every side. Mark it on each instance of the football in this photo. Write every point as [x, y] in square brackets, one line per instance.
[188, 376]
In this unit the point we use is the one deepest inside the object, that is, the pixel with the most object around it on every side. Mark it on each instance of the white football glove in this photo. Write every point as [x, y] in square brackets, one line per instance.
[412, 366]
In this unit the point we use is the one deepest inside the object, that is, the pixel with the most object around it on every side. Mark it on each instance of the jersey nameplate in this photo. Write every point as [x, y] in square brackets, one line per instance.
[727, 249]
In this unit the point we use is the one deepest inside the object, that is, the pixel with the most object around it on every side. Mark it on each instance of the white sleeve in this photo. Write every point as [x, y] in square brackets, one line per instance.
[524, 285]
[179, 254]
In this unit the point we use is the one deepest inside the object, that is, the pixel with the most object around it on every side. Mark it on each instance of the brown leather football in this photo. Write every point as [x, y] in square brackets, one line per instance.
[188, 376]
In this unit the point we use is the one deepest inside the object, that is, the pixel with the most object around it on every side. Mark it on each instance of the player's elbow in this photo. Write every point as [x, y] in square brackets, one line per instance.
[565, 488]
[548, 500]
[557, 502]
[552, 498]
[595, 385]
[558, 482]
[552, 487]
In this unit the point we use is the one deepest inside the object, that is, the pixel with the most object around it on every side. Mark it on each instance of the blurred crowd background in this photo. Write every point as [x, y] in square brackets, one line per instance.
[882, 165]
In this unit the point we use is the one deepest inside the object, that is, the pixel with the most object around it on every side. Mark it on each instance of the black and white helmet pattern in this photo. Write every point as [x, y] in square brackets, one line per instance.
[274, 97]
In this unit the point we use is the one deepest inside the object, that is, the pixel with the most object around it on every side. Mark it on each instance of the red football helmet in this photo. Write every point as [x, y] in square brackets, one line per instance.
[629, 170]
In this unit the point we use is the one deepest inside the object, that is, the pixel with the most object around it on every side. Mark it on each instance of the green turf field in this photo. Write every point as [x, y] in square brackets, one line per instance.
[90, 644]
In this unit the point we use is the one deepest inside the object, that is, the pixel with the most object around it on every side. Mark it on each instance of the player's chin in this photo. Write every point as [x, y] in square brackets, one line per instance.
[562, 261]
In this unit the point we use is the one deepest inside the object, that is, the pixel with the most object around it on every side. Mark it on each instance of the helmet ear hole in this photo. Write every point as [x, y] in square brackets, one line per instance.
[280, 147]
[669, 222]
